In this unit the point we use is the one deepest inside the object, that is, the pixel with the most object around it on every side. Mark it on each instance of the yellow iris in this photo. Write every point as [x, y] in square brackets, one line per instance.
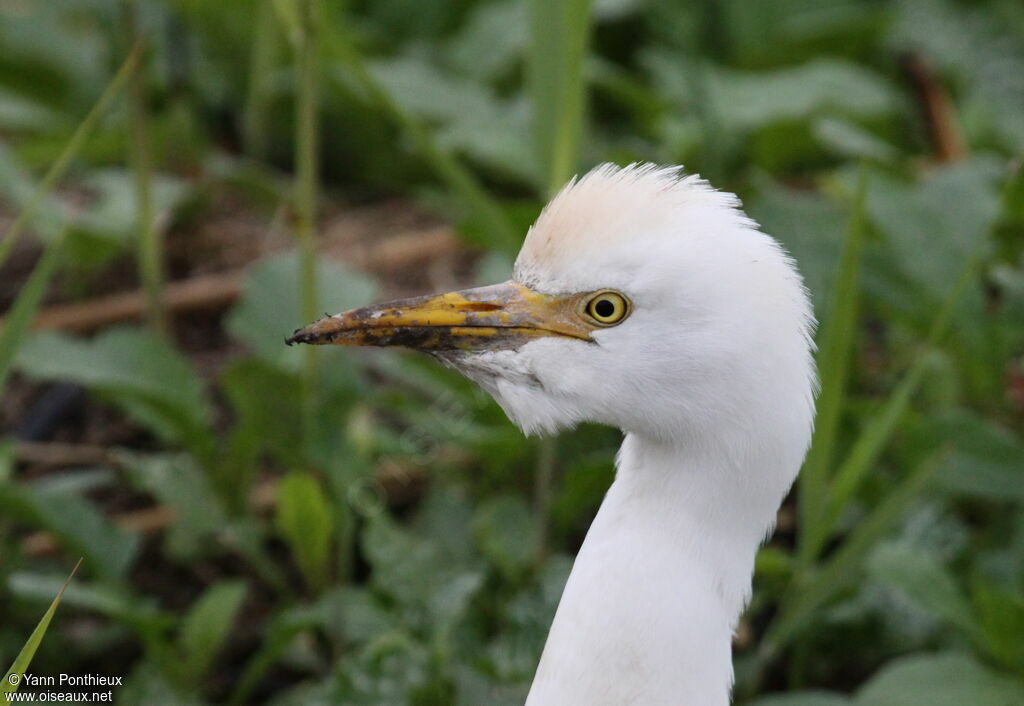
[607, 308]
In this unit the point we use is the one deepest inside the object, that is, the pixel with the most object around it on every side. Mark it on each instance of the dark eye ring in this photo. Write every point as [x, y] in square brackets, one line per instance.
[607, 308]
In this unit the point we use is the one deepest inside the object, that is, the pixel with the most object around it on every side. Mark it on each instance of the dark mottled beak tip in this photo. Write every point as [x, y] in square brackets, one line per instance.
[300, 336]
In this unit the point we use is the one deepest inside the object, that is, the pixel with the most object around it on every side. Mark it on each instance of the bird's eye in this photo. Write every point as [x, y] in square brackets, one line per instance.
[607, 308]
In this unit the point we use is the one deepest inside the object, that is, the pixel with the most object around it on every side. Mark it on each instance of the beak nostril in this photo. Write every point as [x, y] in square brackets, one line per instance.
[480, 306]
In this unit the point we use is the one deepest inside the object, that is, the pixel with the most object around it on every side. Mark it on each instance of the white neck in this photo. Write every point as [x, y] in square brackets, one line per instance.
[648, 612]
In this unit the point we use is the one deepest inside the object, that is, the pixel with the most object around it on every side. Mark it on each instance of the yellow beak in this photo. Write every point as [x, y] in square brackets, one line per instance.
[503, 315]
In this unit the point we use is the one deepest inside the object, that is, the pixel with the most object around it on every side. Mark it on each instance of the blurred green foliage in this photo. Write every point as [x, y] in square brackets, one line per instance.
[901, 579]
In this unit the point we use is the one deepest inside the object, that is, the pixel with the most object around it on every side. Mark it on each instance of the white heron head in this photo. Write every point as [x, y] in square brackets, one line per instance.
[642, 299]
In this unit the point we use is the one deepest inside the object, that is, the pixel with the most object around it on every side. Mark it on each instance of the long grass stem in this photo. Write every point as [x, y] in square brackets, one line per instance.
[18, 319]
[255, 127]
[74, 145]
[559, 38]
[149, 251]
[306, 189]
[835, 352]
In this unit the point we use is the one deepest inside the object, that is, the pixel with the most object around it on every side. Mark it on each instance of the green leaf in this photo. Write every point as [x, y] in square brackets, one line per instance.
[507, 533]
[20, 114]
[17, 320]
[469, 119]
[110, 600]
[444, 517]
[752, 100]
[206, 627]
[74, 145]
[78, 524]
[930, 240]
[981, 48]
[267, 403]
[491, 40]
[559, 38]
[149, 683]
[939, 680]
[269, 309]
[872, 440]
[1000, 611]
[491, 223]
[287, 12]
[835, 353]
[403, 563]
[849, 140]
[356, 614]
[449, 601]
[111, 214]
[986, 458]
[922, 579]
[834, 575]
[284, 628]
[136, 369]
[24, 658]
[305, 520]
[809, 226]
[177, 483]
[17, 186]
[864, 454]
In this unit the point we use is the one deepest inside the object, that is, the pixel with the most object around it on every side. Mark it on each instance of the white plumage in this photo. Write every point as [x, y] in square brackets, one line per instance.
[710, 377]
[712, 380]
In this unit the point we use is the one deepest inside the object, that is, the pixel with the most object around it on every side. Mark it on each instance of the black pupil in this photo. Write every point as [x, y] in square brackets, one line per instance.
[604, 308]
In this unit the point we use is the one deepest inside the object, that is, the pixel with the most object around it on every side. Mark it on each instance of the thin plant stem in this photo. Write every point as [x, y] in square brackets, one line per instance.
[547, 454]
[261, 65]
[837, 342]
[569, 122]
[19, 318]
[838, 570]
[307, 169]
[869, 446]
[559, 37]
[150, 240]
[74, 145]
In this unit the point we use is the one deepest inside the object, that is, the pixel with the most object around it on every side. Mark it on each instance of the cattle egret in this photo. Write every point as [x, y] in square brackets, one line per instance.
[647, 300]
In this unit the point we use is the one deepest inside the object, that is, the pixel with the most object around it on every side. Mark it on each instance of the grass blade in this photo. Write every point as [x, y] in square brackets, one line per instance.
[17, 322]
[24, 658]
[560, 32]
[872, 441]
[71, 150]
[306, 190]
[207, 626]
[259, 95]
[149, 248]
[305, 521]
[836, 350]
[837, 572]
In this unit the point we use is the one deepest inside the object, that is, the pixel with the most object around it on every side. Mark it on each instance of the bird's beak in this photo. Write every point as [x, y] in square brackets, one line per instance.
[500, 316]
